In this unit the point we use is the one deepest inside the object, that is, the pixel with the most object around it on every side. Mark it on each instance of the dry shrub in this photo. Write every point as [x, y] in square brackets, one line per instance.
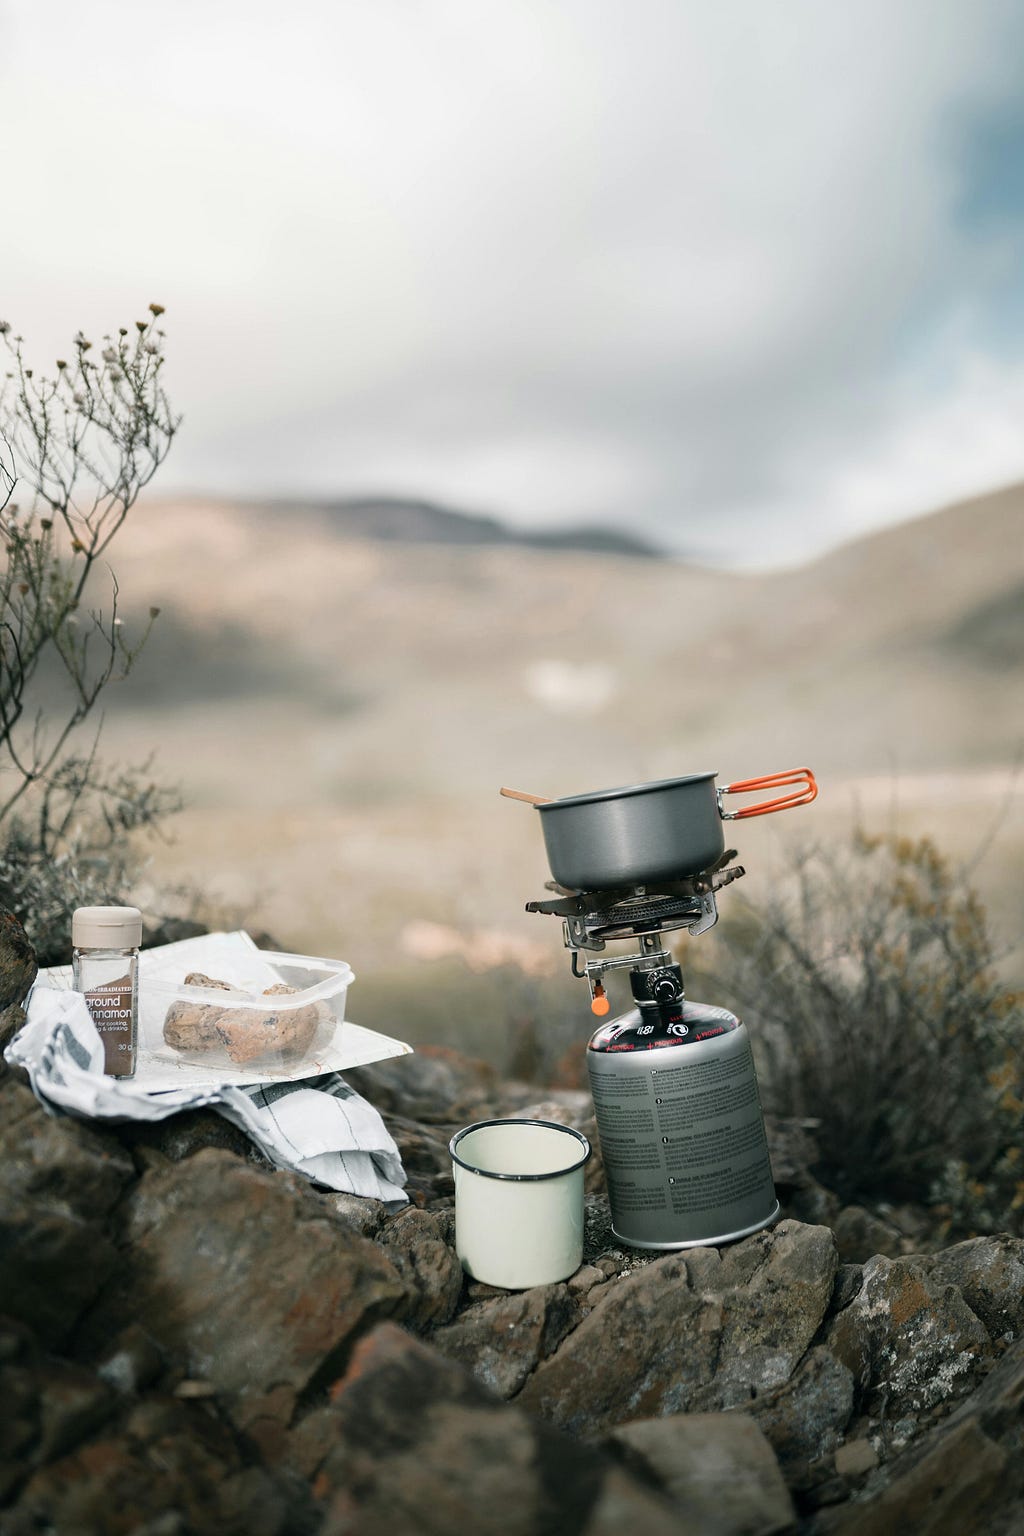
[883, 1016]
[77, 446]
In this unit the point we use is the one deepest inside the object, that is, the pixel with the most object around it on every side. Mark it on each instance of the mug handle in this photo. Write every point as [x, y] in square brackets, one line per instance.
[807, 792]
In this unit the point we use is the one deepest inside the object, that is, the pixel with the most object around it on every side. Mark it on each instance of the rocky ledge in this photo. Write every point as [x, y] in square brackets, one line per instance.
[193, 1342]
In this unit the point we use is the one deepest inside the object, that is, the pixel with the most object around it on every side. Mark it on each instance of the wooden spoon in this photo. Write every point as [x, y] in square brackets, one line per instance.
[520, 794]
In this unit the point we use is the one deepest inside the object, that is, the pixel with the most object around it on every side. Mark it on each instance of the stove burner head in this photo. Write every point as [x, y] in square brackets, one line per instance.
[651, 914]
[592, 917]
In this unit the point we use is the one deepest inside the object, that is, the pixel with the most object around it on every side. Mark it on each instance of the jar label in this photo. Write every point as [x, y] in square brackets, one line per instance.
[111, 1008]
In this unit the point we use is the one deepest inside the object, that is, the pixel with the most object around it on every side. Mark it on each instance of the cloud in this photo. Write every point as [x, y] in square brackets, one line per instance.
[714, 270]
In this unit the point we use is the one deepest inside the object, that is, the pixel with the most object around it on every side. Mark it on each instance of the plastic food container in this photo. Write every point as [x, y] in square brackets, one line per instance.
[286, 1011]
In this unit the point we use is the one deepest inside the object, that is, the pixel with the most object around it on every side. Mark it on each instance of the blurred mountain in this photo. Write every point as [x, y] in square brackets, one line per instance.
[341, 709]
[394, 519]
[904, 649]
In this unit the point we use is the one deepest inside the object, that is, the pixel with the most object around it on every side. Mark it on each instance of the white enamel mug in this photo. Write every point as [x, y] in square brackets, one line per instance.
[519, 1201]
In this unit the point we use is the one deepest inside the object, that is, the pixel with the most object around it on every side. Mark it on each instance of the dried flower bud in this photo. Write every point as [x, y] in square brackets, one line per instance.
[154, 613]
[109, 355]
[121, 331]
[61, 364]
[46, 523]
[156, 309]
[23, 588]
[78, 546]
[5, 326]
[28, 373]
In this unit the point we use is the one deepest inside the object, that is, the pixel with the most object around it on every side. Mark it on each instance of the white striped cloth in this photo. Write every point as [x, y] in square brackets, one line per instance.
[319, 1127]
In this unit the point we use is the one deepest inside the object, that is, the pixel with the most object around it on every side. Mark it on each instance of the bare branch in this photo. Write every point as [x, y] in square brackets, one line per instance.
[80, 443]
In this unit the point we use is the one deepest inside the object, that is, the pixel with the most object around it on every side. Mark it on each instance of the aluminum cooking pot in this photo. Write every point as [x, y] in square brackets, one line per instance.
[648, 832]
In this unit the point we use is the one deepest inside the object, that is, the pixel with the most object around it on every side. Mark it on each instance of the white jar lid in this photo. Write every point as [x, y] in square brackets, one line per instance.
[106, 928]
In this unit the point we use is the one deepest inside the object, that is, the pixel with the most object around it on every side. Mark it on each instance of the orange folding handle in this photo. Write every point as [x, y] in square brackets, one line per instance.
[807, 792]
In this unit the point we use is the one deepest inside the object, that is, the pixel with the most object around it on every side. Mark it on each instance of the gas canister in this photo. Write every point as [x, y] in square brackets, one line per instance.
[679, 1120]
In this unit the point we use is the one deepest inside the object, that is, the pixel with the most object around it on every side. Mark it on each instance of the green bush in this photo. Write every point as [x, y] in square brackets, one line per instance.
[874, 987]
[76, 448]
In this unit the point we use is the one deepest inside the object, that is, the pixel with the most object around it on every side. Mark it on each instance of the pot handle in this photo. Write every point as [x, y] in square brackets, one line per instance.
[807, 792]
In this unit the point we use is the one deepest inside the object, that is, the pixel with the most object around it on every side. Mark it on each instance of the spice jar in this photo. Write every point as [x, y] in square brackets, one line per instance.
[105, 966]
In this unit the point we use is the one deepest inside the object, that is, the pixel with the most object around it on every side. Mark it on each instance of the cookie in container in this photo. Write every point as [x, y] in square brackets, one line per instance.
[214, 1023]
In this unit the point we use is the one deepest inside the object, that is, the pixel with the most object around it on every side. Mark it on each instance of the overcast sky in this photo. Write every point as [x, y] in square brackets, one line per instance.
[747, 276]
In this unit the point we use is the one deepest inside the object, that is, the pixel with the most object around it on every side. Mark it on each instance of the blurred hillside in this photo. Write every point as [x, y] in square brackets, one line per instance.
[341, 709]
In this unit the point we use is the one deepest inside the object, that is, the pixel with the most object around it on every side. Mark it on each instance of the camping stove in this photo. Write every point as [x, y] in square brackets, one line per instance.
[675, 1093]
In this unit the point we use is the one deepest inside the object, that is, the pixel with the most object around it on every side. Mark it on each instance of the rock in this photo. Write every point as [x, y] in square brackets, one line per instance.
[164, 1461]
[704, 1330]
[594, 1179]
[777, 1286]
[860, 1235]
[717, 1469]
[412, 1445]
[989, 1272]
[966, 1478]
[73, 1459]
[849, 1279]
[564, 1106]
[18, 966]
[17, 1345]
[55, 1162]
[804, 1418]
[813, 1204]
[415, 1242]
[424, 1149]
[855, 1458]
[61, 1181]
[246, 1280]
[363, 1214]
[503, 1340]
[425, 1158]
[50, 1407]
[232, 1374]
[11, 1021]
[909, 1341]
[436, 1085]
[623, 1504]
[135, 1361]
[917, 1224]
[584, 1280]
[185, 1134]
[794, 1151]
[597, 1226]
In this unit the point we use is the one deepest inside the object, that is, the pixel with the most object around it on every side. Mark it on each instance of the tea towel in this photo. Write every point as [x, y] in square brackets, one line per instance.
[319, 1127]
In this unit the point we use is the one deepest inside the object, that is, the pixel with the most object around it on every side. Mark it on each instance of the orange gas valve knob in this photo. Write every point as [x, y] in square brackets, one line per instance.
[600, 1004]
